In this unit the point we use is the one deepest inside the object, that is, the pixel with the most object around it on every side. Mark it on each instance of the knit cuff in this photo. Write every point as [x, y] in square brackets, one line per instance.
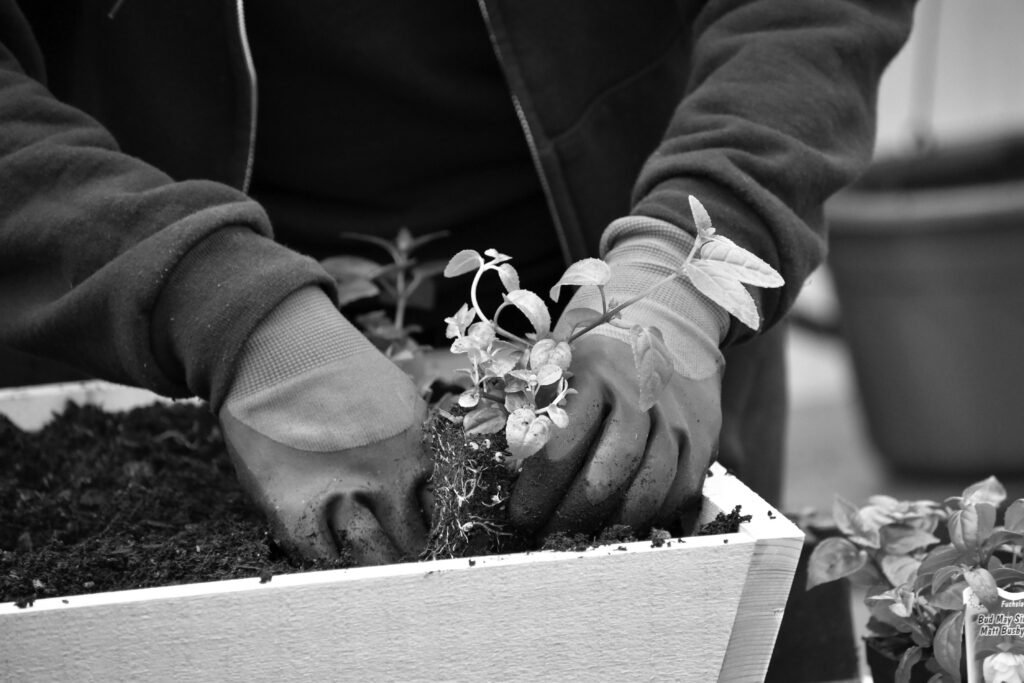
[310, 380]
[304, 332]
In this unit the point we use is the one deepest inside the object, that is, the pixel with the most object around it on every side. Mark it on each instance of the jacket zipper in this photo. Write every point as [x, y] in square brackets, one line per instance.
[531, 142]
[250, 69]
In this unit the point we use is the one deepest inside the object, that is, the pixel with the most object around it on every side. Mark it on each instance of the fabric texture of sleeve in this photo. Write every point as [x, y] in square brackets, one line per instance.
[110, 265]
[779, 114]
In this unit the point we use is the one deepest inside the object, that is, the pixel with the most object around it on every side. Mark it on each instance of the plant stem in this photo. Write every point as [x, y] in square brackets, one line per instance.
[472, 293]
[403, 293]
[498, 329]
[611, 314]
[608, 315]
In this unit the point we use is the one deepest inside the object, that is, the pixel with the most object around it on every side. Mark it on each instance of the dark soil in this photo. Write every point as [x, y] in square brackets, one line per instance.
[471, 485]
[724, 523]
[100, 501]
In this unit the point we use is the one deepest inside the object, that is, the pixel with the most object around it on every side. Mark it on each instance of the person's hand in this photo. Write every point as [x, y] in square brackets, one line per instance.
[367, 498]
[617, 464]
[328, 445]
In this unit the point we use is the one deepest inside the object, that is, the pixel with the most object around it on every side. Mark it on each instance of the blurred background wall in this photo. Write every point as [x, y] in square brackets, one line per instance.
[961, 74]
[959, 79]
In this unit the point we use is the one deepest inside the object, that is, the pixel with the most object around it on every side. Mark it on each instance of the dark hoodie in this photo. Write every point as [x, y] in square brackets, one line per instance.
[124, 179]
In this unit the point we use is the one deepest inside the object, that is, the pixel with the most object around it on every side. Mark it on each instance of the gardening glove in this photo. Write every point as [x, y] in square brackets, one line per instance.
[615, 463]
[325, 435]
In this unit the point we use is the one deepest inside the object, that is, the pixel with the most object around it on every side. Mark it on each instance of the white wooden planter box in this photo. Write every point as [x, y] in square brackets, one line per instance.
[701, 610]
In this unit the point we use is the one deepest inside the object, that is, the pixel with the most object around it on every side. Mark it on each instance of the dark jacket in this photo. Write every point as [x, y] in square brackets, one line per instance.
[122, 193]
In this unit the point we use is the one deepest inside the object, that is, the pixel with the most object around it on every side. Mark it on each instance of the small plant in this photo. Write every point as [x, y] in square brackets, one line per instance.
[395, 282]
[517, 385]
[520, 384]
[916, 580]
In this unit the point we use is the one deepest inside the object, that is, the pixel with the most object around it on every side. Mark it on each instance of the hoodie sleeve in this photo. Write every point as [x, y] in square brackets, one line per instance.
[110, 265]
[778, 115]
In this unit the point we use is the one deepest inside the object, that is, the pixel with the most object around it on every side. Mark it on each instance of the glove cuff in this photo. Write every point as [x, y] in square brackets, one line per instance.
[642, 251]
[304, 332]
[307, 378]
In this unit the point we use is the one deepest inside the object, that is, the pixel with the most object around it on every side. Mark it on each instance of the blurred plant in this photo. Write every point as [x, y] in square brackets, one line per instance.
[395, 282]
[915, 580]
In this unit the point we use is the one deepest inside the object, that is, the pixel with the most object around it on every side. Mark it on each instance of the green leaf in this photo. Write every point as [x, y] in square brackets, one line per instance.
[985, 491]
[558, 416]
[354, 290]
[466, 261]
[549, 373]
[549, 350]
[458, 323]
[899, 569]
[429, 269]
[532, 306]
[938, 557]
[653, 363]
[418, 242]
[469, 398]
[740, 263]
[963, 528]
[404, 240]
[716, 281]
[1003, 537]
[1005, 576]
[485, 419]
[947, 644]
[951, 597]
[482, 333]
[499, 364]
[943, 576]
[900, 539]
[701, 219]
[509, 277]
[1014, 517]
[526, 432]
[832, 559]
[589, 271]
[496, 256]
[514, 400]
[373, 239]
[847, 517]
[986, 520]
[575, 318]
[911, 656]
[983, 584]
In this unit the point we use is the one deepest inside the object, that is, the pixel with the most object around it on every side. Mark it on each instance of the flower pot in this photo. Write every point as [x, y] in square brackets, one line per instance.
[816, 643]
[882, 662]
[696, 609]
[927, 255]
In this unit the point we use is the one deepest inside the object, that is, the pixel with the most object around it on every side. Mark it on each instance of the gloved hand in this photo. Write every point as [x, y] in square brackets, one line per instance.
[324, 433]
[614, 463]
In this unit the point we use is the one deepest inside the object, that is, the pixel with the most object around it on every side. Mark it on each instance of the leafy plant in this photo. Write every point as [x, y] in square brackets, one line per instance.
[395, 282]
[915, 579]
[520, 384]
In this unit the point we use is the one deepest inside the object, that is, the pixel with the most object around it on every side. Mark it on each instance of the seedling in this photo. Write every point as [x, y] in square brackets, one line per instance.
[395, 282]
[520, 384]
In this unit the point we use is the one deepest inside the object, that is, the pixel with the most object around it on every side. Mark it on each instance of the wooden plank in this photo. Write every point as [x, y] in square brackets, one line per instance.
[766, 586]
[599, 614]
[703, 609]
